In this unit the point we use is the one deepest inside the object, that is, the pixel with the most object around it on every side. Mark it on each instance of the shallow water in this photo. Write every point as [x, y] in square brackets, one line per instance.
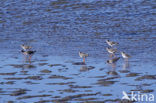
[58, 30]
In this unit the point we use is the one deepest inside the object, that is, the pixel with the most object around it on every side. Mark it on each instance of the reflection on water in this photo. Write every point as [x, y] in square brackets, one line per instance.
[86, 68]
[58, 30]
[113, 73]
[126, 65]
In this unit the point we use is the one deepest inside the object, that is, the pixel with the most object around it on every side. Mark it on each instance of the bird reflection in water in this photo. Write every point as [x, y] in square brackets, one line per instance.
[126, 65]
[112, 72]
[27, 52]
[84, 68]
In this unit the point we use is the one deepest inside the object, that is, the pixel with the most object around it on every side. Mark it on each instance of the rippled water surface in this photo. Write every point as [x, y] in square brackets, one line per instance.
[58, 30]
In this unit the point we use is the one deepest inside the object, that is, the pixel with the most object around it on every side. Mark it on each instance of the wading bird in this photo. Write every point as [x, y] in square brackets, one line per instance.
[111, 43]
[83, 55]
[111, 51]
[25, 47]
[114, 60]
[28, 53]
[125, 56]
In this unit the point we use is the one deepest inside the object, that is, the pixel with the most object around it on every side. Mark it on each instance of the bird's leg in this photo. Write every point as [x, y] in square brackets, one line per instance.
[113, 54]
[113, 65]
[110, 55]
[30, 58]
[83, 59]
[25, 57]
[30, 61]
[126, 60]
[126, 65]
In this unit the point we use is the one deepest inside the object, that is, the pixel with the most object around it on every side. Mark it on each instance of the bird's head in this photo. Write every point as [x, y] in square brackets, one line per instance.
[108, 61]
[121, 52]
[107, 48]
[107, 40]
[22, 51]
[22, 45]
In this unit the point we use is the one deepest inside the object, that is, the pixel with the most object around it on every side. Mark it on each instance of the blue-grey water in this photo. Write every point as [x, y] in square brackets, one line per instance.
[58, 30]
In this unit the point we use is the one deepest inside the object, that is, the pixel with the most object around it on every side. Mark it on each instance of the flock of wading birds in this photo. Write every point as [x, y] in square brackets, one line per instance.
[26, 50]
